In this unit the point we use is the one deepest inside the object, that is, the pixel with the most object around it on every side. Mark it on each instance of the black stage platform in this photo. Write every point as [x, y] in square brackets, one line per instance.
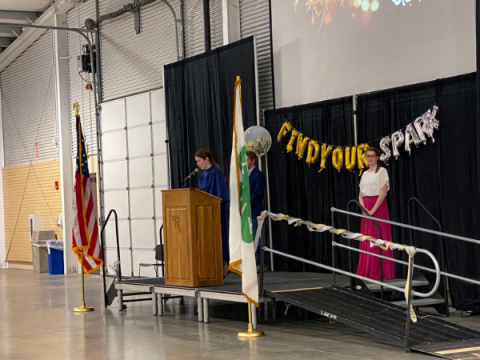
[272, 282]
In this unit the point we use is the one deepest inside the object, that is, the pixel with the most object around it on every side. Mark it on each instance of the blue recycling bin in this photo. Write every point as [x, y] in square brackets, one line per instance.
[55, 257]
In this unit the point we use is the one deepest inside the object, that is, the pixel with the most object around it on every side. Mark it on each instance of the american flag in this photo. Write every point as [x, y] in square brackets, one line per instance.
[85, 228]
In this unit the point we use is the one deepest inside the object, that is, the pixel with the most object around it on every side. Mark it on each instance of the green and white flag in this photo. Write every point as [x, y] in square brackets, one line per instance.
[242, 251]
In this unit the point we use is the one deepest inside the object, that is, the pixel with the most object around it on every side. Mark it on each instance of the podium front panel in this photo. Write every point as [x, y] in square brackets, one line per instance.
[193, 238]
[178, 251]
[206, 248]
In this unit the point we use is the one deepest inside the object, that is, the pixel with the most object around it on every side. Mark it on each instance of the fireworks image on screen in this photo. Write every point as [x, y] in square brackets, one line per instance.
[361, 10]
[403, 2]
[317, 8]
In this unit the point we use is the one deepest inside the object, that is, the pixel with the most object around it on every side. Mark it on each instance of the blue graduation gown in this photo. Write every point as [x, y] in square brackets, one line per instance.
[257, 191]
[213, 181]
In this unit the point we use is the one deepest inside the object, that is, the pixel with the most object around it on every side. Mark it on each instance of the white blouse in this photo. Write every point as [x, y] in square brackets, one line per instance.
[372, 182]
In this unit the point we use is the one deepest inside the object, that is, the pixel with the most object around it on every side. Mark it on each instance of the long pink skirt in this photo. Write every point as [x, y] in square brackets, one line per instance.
[369, 266]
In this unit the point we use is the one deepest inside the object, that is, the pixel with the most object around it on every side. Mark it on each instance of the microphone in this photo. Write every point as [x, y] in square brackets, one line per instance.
[189, 176]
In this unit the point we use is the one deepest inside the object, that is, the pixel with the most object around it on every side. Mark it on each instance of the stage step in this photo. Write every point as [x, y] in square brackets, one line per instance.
[374, 316]
[419, 280]
[419, 302]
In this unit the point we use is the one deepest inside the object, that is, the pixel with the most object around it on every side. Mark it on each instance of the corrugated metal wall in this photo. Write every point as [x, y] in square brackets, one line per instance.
[193, 31]
[76, 18]
[133, 63]
[29, 106]
[194, 34]
[255, 19]
[216, 23]
[30, 189]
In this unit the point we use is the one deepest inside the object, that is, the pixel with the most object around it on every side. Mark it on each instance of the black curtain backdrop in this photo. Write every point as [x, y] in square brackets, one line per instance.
[442, 175]
[299, 190]
[199, 93]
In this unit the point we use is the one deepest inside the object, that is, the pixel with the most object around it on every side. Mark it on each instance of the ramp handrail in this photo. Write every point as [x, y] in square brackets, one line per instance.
[410, 250]
[347, 273]
[419, 203]
[443, 263]
[417, 250]
[114, 212]
[457, 237]
[434, 232]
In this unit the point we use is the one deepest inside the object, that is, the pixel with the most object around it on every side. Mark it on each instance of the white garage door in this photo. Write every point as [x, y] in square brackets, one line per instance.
[134, 173]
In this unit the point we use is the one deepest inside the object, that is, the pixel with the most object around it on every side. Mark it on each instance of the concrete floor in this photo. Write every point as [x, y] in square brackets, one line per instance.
[37, 322]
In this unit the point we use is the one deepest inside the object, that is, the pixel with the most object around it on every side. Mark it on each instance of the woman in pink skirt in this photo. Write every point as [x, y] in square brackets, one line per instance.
[373, 191]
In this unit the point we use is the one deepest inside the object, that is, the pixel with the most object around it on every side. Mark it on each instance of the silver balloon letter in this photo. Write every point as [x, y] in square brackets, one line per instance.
[397, 141]
[411, 136]
[426, 123]
[419, 121]
[384, 145]
[430, 122]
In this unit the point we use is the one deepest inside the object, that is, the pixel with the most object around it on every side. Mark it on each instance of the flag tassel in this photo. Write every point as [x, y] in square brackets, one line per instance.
[82, 308]
[250, 333]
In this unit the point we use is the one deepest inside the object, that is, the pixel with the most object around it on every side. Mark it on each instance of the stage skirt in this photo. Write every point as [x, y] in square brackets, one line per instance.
[369, 266]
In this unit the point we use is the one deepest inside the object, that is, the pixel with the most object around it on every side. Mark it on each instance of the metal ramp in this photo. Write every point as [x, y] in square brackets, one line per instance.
[375, 316]
[458, 350]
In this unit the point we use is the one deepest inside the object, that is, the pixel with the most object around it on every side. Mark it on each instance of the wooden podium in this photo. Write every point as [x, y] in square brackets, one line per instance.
[193, 238]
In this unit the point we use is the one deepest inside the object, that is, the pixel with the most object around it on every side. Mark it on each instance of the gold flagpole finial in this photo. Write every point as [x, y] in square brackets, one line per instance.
[76, 107]
[238, 78]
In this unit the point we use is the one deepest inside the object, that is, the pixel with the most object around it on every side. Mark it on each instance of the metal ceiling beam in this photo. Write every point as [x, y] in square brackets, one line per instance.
[48, 27]
[29, 36]
[19, 17]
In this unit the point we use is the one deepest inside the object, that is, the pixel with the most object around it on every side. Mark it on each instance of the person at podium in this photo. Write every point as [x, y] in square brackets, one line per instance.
[212, 180]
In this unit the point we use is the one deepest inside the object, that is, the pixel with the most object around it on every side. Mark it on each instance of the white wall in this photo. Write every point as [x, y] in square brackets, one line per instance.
[231, 21]
[356, 51]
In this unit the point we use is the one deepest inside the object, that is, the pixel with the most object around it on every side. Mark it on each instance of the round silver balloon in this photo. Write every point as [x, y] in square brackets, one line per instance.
[258, 139]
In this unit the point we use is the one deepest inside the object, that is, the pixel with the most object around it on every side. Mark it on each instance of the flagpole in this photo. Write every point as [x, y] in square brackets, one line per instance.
[82, 308]
[81, 157]
[250, 333]
[242, 255]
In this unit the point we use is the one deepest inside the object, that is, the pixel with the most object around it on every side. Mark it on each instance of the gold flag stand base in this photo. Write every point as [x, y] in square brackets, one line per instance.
[250, 333]
[83, 308]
